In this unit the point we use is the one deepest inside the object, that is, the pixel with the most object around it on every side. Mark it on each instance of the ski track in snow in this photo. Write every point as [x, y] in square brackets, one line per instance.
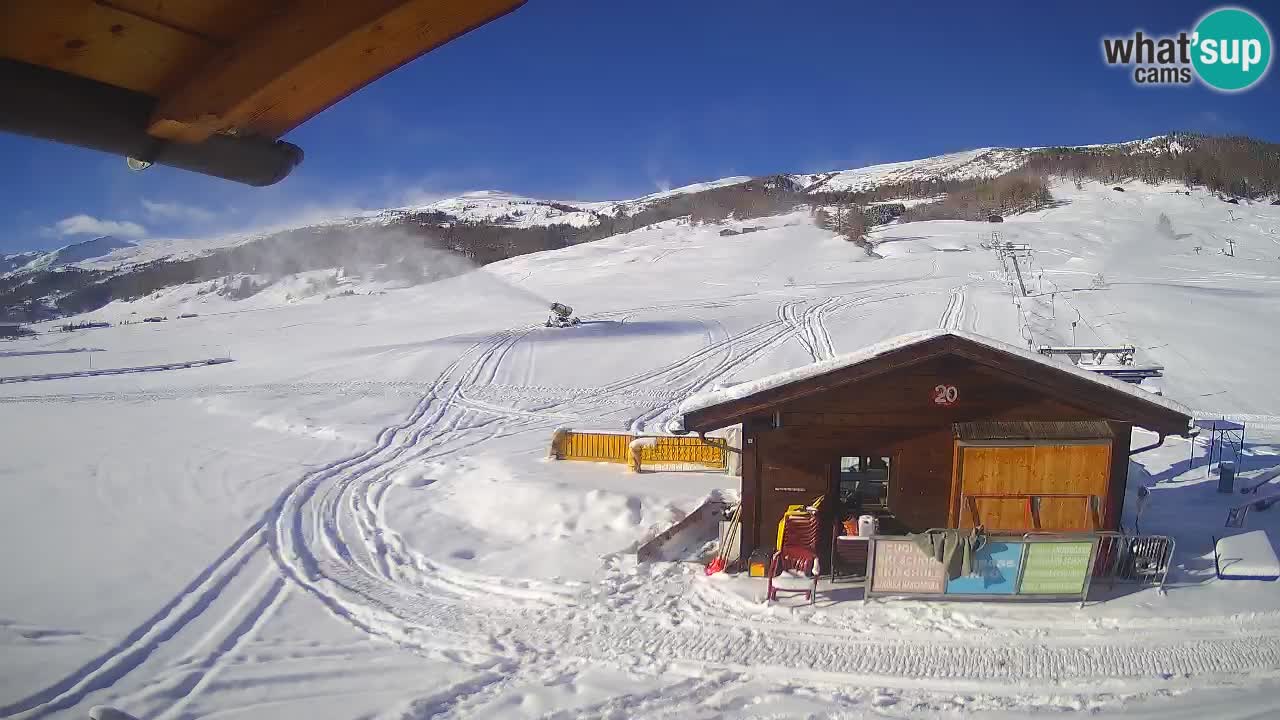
[328, 536]
[953, 314]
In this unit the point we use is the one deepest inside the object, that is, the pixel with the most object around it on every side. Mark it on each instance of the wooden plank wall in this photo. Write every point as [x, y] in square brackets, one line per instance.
[894, 415]
[1034, 470]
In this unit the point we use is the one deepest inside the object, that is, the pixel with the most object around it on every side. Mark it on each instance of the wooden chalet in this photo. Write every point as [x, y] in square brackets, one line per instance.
[934, 430]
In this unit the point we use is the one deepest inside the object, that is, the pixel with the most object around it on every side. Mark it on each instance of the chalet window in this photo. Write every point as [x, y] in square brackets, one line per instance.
[864, 483]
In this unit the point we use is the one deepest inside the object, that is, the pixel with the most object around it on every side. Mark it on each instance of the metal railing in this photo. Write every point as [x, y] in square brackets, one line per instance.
[1140, 559]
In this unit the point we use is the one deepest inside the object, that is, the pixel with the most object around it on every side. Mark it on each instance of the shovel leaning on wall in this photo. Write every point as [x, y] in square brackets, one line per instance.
[722, 553]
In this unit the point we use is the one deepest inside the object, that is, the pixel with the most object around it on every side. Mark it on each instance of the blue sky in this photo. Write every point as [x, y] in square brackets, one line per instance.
[598, 100]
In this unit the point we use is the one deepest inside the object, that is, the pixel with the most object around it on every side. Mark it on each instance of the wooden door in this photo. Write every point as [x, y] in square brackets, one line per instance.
[784, 482]
[1051, 487]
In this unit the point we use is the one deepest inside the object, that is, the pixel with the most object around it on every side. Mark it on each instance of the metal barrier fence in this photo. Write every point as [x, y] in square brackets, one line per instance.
[677, 452]
[659, 453]
[593, 447]
[1141, 559]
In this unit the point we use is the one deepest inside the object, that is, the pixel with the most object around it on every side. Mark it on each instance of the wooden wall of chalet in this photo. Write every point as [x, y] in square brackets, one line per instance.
[895, 414]
[995, 482]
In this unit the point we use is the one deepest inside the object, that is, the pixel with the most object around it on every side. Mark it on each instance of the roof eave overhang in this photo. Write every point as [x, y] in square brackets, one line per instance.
[1119, 407]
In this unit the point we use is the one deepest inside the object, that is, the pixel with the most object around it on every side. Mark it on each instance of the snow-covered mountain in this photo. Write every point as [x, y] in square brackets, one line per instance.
[511, 210]
[17, 260]
[75, 253]
[485, 226]
[981, 163]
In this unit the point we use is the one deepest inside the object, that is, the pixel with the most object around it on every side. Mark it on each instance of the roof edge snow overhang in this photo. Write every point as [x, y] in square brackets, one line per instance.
[734, 411]
[1093, 394]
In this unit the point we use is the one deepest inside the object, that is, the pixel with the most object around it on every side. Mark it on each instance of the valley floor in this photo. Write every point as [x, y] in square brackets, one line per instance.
[355, 518]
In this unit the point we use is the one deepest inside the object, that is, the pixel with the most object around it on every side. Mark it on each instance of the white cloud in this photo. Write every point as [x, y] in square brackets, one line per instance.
[88, 225]
[176, 211]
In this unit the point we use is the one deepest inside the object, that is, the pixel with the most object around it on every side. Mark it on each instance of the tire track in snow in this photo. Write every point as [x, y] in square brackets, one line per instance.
[953, 313]
[255, 610]
[808, 325]
[109, 668]
[357, 541]
[616, 635]
[313, 548]
[423, 423]
[672, 700]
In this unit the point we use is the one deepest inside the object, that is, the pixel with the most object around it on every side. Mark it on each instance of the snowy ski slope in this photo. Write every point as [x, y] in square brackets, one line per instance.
[355, 518]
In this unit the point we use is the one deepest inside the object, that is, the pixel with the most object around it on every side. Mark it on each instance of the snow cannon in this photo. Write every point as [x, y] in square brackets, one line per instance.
[561, 316]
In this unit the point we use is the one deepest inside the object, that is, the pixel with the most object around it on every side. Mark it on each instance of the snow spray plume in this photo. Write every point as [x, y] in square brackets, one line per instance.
[411, 252]
[400, 256]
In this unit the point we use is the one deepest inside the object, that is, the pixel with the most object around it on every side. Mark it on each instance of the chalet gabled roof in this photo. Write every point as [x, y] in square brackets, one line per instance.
[1111, 398]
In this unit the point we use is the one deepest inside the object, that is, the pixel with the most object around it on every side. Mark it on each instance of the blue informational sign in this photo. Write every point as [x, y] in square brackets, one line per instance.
[995, 571]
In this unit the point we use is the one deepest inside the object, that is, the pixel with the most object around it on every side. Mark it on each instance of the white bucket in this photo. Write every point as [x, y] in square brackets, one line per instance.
[867, 525]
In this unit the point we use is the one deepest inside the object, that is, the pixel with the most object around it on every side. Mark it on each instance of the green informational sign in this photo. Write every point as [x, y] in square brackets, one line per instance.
[1055, 568]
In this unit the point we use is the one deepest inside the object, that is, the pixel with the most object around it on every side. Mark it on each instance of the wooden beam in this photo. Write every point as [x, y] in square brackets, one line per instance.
[99, 42]
[307, 56]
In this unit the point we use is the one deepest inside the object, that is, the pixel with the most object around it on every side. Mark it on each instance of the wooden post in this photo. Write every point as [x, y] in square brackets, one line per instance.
[748, 540]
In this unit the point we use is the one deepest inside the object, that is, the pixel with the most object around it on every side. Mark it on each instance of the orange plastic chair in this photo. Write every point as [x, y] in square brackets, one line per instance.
[797, 558]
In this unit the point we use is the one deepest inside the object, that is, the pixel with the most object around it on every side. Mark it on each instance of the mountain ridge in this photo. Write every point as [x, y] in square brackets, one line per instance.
[406, 243]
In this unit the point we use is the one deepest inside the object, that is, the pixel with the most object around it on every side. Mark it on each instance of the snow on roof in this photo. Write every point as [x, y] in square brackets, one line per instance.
[737, 392]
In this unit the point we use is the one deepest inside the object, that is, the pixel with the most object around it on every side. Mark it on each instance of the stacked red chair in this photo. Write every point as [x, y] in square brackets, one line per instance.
[797, 559]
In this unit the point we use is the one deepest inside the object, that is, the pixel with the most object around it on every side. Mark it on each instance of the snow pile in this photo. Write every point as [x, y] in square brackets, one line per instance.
[534, 523]
[1247, 556]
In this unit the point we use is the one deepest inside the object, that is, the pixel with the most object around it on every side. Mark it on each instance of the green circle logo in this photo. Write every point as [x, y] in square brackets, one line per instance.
[1231, 49]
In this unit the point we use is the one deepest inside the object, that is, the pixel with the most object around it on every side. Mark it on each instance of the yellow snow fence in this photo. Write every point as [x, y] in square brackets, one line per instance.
[660, 452]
